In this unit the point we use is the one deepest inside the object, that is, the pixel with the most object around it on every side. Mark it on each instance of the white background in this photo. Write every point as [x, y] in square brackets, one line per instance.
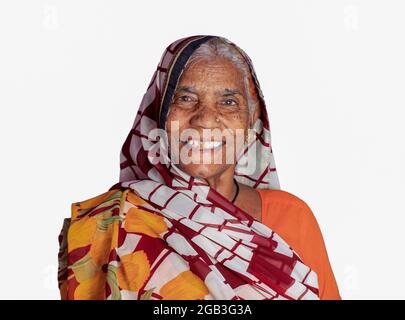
[72, 74]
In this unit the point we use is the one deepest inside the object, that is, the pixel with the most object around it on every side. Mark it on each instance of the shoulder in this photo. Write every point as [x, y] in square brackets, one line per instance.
[281, 197]
[280, 205]
[109, 199]
[294, 221]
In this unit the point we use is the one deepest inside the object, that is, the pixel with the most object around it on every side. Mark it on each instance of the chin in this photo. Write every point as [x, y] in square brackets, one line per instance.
[204, 171]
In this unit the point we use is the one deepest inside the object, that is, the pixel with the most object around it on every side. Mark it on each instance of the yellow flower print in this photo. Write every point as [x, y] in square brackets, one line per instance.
[141, 221]
[101, 246]
[186, 286]
[134, 199]
[92, 288]
[85, 268]
[81, 232]
[133, 271]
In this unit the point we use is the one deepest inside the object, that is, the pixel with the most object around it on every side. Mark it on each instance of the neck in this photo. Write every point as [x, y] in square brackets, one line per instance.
[224, 184]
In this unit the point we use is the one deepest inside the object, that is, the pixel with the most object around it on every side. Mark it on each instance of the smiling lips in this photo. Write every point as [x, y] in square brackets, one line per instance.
[204, 145]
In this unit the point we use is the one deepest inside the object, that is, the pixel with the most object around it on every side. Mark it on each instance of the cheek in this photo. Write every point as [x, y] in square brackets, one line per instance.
[172, 113]
[237, 121]
[177, 114]
[176, 121]
[238, 124]
[173, 116]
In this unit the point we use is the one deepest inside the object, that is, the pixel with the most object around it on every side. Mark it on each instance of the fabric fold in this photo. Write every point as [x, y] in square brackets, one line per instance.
[161, 234]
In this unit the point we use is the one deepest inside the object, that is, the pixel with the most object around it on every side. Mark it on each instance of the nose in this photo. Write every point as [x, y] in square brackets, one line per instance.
[206, 116]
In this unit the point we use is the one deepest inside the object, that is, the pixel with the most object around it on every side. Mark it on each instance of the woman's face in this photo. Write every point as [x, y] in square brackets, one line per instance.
[209, 116]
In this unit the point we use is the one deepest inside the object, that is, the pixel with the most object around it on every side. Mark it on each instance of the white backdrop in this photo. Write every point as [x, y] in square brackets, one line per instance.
[72, 74]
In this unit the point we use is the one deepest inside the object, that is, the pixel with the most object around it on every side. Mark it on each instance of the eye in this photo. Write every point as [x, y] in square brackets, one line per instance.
[229, 102]
[184, 99]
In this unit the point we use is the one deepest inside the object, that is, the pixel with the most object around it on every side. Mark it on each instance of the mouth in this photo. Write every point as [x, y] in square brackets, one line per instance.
[203, 145]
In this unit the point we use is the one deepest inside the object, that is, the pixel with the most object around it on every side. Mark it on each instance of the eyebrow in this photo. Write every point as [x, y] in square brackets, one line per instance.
[226, 92]
[231, 92]
[186, 89]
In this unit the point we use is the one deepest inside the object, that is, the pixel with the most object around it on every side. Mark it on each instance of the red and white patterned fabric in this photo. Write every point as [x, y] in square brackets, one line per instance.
[235, 255]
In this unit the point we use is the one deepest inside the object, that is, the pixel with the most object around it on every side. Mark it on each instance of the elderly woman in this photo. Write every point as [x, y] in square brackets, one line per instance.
[197, 213]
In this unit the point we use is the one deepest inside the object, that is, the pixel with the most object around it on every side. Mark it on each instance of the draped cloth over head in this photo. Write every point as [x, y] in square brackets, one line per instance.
[135, 163]
[196, 238]
[190, 205]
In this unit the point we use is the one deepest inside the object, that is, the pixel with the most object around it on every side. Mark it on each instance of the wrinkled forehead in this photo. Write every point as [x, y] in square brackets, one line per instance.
[173, 63]
[218, 69]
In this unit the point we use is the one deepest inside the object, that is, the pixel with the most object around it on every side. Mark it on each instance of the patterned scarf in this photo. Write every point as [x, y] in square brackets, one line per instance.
[208, 231]
[187, 240]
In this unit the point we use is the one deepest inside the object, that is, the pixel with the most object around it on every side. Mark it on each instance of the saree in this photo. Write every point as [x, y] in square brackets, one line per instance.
[161, 234]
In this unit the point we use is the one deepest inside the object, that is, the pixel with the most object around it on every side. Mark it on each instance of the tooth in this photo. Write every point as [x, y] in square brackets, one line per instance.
[204, 144]
[194, 143]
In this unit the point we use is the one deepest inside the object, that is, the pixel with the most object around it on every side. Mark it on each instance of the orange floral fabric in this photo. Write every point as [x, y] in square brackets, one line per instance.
[89, 265]
[112, 247]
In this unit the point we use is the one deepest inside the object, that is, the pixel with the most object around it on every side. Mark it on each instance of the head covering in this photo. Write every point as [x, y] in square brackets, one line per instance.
[136, 161]
[235, 255]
